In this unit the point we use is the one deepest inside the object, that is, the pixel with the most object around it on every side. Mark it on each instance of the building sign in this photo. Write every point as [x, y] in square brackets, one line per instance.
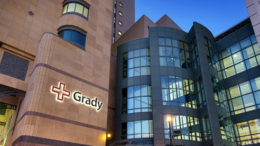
[62, 93]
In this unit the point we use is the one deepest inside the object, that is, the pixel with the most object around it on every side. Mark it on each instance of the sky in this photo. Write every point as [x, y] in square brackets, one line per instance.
[216, 15]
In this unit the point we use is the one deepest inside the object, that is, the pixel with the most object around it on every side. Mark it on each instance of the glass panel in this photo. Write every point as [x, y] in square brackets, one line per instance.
[176, 52]
[175, 43]
[257, 97]
[244, 43]
[136, 53]
[164, 82]
[137, 102]
[65, 9]
[161, 41]
[254, 126]
[130, 54]
[163, 61]
[130, 92]
[251, 63]
[144, 71]
[162, 51]
[130, 103]
[237, 57]
[225, 53]
[243, 128]
[144, 61]
[144, 52]
[237, 103]
[253, 38]
[235, 48]
[144, 102]
[177, 62]
[130, 73]
[227, 62]
[144, 90]
[75, 37]
[258, 59]
[137, 62]
[248, 52]
[130, 63]
[245, 88]
[234, 91]
[230, 72]
[165, 95]
[168, 51]
[255, 83]
[248, 100]
[256, 48]
[71, 7]
[85, 12]
[171, 82]
[138, 127]
[130, 127]
[168, 42]
[67, 35]
[79, 9]
[240, 67]
[82, 40]
[170, 62]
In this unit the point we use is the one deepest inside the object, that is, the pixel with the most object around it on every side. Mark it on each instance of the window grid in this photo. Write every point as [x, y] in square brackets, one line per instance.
[137, 99]
[137, 129]
[182, 127]
[76, 8]
[194, 54]
[244, 97]
[136, 63]
[174, 53]
[247, 132]
[226, 129]
[219, 93]
[240, 57]
[178, 92]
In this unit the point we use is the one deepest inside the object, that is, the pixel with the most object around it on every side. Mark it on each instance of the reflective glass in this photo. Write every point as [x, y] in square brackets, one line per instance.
[225, 53]
[67, 35]
[144, 61]
[79, 9]
[256, 48]
[71, 7]
[161, 41]
[130, 127]
[136, 53]
[177, 62]
[82, 40]
[130, 103]
[176, 52]
[235, 48]
[130, 54]
[75, 37]
[163, 61]
[168, 51]
[144, 71]
[168, 42]
[130, 63]
[138, 127]
[244, 43]
[250, 63]
[65, 9]
[137, 62]
[234, 91]
[130, 73]
[85, 12]
[253, 38]
[227, 62]
[171, 82]
[230, 72]
[237, 57]
[255, 83]
[243, 128]
[248, 52]
[144, 52]
[254, 126]
[130, 92]
[162, 51]
[170, 61]
[240, 67]
[257, 97]
[245, 88]
[248, 100]
[175, 43]
[164, 82]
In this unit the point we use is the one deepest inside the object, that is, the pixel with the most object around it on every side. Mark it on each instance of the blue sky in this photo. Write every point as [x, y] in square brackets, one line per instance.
[216, 15]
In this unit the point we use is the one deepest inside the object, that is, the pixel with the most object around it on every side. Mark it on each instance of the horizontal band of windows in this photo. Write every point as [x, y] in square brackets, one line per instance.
[76, 38]
[76, 1]
[76, 8]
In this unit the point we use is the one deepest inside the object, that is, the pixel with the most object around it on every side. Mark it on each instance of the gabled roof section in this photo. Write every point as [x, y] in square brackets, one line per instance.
[167, 22]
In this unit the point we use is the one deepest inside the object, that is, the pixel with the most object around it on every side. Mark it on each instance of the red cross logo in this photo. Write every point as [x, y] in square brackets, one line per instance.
[60, 92]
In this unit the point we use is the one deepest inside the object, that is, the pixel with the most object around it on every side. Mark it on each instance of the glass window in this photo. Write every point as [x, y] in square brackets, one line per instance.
[245, 88]
[234, 91]
[235, 48]
[168, 42]
[257, 97]
[137, 129]
[227, 62]
[254, 126]
[251, 63]
[243, 128]
[168, 51]
[237, 57]
[244, 43]
[230, 72]
[256, 48]
[175, 43]
[240, 67]
[248, 100]
[248, 52]
[77, 8]
[162, 51]
[237, 103]
[74, 37]
[225, 53]
[176, 52]
[161, 41]
[163, 61]
[255, 84]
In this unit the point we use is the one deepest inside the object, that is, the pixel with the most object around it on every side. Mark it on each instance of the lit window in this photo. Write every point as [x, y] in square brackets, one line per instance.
[120, 13]
[120, 4]
[114, 10]
[73, 36]
[79, 8]
[120, 23]
[119, 32]
[113, 39]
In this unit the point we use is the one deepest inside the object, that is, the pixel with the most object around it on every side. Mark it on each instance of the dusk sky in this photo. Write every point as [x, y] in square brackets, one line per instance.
[216, 15]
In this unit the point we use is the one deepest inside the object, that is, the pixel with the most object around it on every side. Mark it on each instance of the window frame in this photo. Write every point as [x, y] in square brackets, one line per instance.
[76, 2]
[77, 30]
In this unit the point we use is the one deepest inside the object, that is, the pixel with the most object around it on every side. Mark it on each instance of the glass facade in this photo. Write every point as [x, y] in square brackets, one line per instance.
[248, 132]
[200, 93]
[178, 92]
[136, 63]
[174, 53]
[183, 127]
[76, 8]
[137, 99]
[240, 57]
[137, 129]
[219, 93]
[244, 97]
[194, 55]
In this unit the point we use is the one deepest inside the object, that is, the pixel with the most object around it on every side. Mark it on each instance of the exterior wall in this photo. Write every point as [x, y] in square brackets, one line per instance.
[41, 118]
[253, 9]
[128, 18]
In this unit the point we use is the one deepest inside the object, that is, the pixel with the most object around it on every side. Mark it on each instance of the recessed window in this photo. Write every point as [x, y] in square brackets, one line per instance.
[73, 36]
[119, 32]
[76, 7]
[120, 4]
[120, 23]
[120, 13]
[114, 10]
